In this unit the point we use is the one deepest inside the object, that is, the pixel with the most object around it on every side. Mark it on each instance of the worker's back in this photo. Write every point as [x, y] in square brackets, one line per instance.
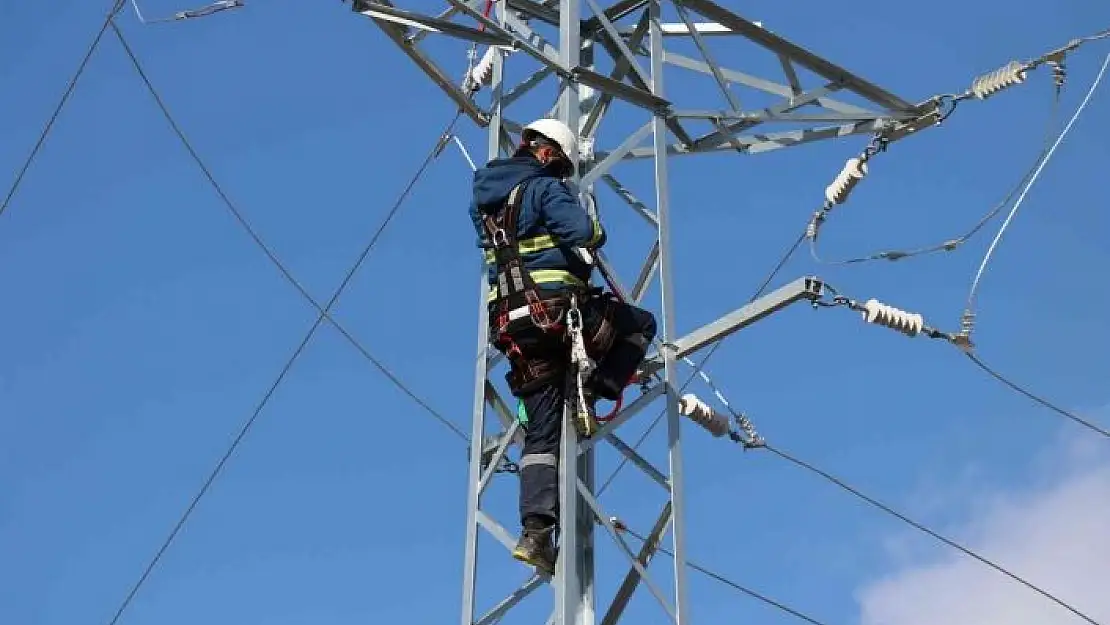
[550, 225]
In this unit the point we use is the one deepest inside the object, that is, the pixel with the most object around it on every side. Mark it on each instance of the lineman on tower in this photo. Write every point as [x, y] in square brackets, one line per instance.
[529, 223]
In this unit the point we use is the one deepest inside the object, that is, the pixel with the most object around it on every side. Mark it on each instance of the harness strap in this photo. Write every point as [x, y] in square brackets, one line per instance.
[514, 283]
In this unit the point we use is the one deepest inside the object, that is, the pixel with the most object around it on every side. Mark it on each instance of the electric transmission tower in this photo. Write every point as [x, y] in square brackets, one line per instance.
[593, 63]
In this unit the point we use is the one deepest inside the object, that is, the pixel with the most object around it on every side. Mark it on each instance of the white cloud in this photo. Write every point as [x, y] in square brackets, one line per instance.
[1055, 533]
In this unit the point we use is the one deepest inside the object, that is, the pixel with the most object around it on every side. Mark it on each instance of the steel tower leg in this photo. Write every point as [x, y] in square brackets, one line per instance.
[667, 322]
[573, 582]
[475, 480]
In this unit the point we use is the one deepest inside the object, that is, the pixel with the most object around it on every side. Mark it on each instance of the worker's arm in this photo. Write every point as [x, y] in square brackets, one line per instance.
[479, 228]
[565, 218]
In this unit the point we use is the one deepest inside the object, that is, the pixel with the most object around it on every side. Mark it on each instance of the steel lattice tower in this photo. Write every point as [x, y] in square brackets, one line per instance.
[561, 40]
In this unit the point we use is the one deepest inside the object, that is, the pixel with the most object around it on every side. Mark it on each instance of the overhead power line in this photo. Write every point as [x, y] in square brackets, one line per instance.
[116, 6]
[324, 311]
[323, 314]
[1040, 400]
[969, 313]
[951, 245]
[920, 527]
[898, 515]
[728, 582]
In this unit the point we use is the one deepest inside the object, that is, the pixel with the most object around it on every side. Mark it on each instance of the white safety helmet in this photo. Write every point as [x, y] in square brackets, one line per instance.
[559, 133]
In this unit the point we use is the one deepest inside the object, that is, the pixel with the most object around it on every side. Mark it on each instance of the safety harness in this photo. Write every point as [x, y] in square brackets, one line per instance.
[540, 333]
[526, 326]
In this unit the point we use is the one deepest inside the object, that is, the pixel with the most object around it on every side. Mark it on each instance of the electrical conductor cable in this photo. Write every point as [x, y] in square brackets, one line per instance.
[724, 580]
[1033, 179]
[968, 317]
[952, 244]
[1040, 400]
[289, 363]
[116, 6]
[911, 325]
[982, 88]
[323, 310]
[905, 519]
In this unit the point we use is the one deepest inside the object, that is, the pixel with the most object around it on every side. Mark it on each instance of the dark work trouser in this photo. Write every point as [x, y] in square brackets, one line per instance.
[634, 329]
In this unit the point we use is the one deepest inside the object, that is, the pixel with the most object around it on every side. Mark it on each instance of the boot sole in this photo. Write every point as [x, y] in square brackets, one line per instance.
[538, 563]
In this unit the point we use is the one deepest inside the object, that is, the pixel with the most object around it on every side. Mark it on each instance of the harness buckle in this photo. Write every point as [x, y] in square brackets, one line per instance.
[500, 238]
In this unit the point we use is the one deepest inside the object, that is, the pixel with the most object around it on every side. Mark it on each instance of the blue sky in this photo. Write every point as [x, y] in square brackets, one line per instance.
[141, 325]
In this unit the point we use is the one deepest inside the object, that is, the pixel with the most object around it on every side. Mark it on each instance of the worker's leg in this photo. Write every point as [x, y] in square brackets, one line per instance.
[634, 328]
[539, 469]
[539, 476]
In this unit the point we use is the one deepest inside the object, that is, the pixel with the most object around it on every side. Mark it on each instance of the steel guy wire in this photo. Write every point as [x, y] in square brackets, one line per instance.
[116, 6]
[323, 310]
[951, 245]
[1021, 198]
[724, 580]
[1044, 402]
[289, 363]
[916, 525]
[699, 367]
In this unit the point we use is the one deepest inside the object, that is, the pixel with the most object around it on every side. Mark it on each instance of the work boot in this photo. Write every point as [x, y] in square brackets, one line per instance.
[535, 546]
[586, 422]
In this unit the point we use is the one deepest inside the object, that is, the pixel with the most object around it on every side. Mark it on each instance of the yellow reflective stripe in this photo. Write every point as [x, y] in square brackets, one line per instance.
[544, 276]
[597, 231]
[555, 275]
[527, 246]
[535, 244]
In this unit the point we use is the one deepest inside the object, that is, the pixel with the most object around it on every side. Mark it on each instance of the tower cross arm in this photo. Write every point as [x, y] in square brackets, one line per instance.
[803, 289]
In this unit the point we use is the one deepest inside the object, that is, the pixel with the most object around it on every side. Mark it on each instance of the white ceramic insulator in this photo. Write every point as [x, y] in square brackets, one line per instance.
[876, 312]
[703, 414]
[854, 171]
[989, 84]
[483, 71]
